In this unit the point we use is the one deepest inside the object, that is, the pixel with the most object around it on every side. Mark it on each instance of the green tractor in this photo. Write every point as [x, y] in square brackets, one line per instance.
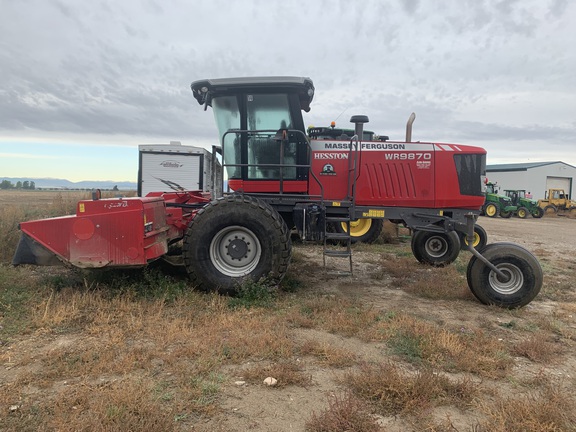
[497, 204]
[525, 205]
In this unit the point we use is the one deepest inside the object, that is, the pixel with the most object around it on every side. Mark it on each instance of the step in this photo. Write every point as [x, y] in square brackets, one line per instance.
[337, 236]
[337, 253]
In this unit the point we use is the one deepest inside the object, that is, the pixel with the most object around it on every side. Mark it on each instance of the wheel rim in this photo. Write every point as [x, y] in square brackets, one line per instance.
[491, 210]
[513, 284]
[235, 251]
[476, 240]
[436, 246]
[522, 214]
[358, 227]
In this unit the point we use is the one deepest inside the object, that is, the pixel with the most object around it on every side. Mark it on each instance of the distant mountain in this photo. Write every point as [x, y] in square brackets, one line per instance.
[50, 183]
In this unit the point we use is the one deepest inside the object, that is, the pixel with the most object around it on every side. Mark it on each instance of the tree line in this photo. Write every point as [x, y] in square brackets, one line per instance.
[7, 184]
[30, 185]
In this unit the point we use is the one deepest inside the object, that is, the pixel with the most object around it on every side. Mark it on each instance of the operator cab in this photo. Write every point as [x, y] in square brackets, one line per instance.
[260, 124]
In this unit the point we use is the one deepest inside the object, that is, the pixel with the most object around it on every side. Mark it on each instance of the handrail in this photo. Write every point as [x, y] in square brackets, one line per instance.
[282, 166]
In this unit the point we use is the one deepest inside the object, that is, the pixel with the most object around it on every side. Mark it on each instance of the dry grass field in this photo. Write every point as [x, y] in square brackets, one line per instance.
[397, 347]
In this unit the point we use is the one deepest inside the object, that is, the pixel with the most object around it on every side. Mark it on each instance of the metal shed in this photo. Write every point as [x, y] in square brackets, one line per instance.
[534, 177]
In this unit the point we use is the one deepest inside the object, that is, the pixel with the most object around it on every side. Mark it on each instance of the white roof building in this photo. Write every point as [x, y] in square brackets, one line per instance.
[535, 177]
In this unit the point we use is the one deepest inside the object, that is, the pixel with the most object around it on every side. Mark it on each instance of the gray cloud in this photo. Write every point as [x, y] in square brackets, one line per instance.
[124, 68]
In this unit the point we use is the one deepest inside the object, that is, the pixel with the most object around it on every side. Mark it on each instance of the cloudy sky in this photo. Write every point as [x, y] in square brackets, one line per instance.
[82, 83]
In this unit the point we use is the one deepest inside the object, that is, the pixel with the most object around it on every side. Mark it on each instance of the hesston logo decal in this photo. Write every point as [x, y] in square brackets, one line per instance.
[330, 156]
[171, 164]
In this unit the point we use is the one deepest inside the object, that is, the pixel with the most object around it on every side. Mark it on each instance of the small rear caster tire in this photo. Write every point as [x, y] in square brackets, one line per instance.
[480, 238]
[523, 271]
[437, 249]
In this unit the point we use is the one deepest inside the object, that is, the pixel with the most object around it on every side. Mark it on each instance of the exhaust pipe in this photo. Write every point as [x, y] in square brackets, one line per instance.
[409, 127]
[359, 121]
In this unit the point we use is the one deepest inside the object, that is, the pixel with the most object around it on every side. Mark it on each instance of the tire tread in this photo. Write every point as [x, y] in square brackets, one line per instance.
[281, 260]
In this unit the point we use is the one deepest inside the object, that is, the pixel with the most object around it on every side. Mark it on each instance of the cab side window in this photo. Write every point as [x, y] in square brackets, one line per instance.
[269, 112]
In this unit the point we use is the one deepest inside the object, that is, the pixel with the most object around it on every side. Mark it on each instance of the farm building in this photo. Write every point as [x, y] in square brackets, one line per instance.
[535, 177]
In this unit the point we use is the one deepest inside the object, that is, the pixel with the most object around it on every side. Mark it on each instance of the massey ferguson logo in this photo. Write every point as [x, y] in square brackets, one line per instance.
[170, 164]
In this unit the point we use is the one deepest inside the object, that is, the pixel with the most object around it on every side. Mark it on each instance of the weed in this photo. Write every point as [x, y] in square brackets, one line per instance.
[206, 389]
[329, 355]
[537, 348]
[290, 284]
[252, 294]
[555, 324]
[285, 372]
[17, 295]
[407, 345]
[344, 413]
[10, 217]
[126, 404]
[557, 290]
[509, 324]
[444, 283]
[461, 263]
[425, 343]
[550, 409]
[400, 269]
[394, 392]
[334, 314]
[159, 285]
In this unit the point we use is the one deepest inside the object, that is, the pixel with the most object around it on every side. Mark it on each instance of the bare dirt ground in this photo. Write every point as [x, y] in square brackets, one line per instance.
[551, 239]
[555, 234]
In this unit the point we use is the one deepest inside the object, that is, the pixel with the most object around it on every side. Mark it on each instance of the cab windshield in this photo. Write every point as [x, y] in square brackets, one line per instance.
[264, 112]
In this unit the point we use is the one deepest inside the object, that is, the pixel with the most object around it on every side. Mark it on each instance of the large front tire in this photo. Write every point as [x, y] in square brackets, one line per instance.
[522, 212]
[234, 238]
[363, 230]
[538, 212]
[550, 209]
[523, 271]
[491, 210]
[437, 249]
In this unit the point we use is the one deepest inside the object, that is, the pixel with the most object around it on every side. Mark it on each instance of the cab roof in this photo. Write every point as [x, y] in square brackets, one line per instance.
[205, 90]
